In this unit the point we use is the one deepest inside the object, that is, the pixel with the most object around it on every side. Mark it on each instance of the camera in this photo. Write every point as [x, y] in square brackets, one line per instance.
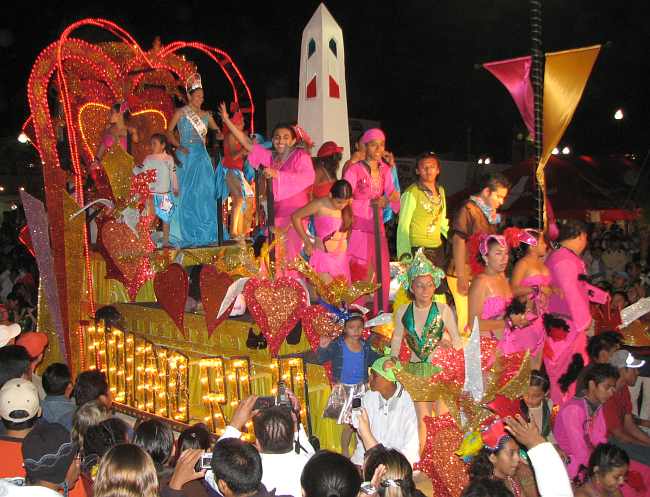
[204, 462]
[283, 399]
[356, 403]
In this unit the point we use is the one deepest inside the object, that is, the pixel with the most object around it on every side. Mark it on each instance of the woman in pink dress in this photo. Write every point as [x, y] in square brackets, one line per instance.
[531, 283]
[327, 251]
[290, 167]
[580, 423]
[372, 184]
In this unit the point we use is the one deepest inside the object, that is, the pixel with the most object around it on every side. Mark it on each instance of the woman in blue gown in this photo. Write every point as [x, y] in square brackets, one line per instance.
[194, 220]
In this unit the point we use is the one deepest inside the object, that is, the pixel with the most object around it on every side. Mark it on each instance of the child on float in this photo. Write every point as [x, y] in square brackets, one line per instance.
[332, 218]
[290, 167]
[606, 473]
[427, 327]
[535, 406]
[373, 184]
[326, 166]
[164, 188]
[350, 356]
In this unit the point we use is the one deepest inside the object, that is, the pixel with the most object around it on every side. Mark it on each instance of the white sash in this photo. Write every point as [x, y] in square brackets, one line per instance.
[196, 122]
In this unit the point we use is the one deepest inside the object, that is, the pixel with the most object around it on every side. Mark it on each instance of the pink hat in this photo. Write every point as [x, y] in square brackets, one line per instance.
[373, 134]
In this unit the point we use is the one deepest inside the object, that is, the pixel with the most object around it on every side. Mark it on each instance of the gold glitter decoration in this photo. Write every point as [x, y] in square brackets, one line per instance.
[118, 165]
[339, 290]
[269, 298]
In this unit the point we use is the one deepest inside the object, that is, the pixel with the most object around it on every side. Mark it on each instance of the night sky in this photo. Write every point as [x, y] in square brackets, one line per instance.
[410, 63]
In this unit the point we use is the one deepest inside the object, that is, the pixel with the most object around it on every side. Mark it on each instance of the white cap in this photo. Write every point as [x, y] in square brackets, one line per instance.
[7, 332]
[20, 395]
[624, 359]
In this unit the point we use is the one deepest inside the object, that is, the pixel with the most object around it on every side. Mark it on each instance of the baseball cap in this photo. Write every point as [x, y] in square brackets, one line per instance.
[19, 400]
[623, 359]
[7, 332]
[34, 342]
[48, 453]
[329, 148]
[385, 367]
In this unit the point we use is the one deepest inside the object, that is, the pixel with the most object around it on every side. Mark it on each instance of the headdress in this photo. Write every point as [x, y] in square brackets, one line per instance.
[124, 106]
[373, 134]
[420, 265]
[517, 236]
[483, 245]
[342, 315]
[193, 83]
[302, 136]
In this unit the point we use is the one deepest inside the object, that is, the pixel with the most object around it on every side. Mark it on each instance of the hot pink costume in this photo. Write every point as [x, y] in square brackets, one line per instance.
[577, 433]
[531, 337]
[336, 263]
[108, 140]
[290, 189]
[362, 247]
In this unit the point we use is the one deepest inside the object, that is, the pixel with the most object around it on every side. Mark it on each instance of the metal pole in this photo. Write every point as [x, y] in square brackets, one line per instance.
[537, 78]
[378, 260]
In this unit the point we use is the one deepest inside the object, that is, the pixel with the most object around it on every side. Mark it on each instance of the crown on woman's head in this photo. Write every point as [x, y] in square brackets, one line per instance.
[193, 82]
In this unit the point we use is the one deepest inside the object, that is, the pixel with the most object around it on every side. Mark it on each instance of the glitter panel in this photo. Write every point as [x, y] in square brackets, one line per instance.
[40, 236]
[447, 471]
[275, 306]
[316, 322]
[171, 287]
[214, 286]
[118, 166]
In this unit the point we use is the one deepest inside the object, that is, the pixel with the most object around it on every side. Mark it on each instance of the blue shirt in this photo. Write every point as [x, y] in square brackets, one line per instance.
[58, 409]
[353, 365]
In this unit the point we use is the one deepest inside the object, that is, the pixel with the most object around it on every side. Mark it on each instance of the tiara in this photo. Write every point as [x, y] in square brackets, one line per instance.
[193, 82]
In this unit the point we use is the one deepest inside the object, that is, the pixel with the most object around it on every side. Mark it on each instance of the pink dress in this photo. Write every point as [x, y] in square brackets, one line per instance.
[290, 189]
[531, 337]
[577, 433]
[335, 259]
[108, 141]
[362, 246]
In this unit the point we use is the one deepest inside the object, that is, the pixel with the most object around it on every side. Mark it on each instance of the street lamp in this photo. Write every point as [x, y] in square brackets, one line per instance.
[555, 151]
[487, 161]
[23, 138]
[566, 151]
[618, 115]
[480, 161]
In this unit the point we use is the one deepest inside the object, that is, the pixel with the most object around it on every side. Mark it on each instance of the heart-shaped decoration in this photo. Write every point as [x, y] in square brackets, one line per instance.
[275, 306]
[171, 287]
[214, 286]
[317, 322]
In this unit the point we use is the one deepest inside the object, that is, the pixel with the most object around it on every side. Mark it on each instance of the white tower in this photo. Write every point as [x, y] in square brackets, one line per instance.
[322, 99]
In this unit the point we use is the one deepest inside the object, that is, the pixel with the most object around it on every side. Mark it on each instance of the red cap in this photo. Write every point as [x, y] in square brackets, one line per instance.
[329, 148]
[34, 342]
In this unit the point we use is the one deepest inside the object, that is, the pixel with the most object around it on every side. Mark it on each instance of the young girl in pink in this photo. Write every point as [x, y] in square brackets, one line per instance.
[328, 250]
[372, 183]
[290, 167]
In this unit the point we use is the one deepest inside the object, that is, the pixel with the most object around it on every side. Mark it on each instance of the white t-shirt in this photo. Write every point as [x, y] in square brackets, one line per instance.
[164, 165]
[393, 423]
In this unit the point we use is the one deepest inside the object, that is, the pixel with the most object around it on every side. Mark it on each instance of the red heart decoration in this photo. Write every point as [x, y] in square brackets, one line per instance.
[275, 306]
[317, 322]
[171, 287]
[214, 286]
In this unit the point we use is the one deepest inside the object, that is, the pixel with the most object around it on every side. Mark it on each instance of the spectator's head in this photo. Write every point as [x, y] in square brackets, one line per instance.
[632, 295]
[486, 487]
[14, 363]
[157, 439]
[600, 347]
[50, 458]
[382, 376]
[101, 438]
[126, 471]
[111, 317]
[57, 380]
[195, 437]
[619, 301]
[15, 301]
[633, 269]
[19, 405]
[35, 344]
[493, 189]
[573, 234]
[537, 388]
[608, 467]
[237, 468]
[627, 365]
[89, 414]
[92, 385]
[398, 479]
[8, 334]
[273, 429]
[328, 474]
[599, 382]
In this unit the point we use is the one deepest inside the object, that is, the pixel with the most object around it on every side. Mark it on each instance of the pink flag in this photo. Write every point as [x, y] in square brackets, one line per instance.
[514, 74]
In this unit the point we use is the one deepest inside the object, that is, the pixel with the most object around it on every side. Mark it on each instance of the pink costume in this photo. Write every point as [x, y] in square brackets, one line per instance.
[335, 259]
[577, 433]
[531, 337]
[565, 269]
[362, 246]
[108, 141]
[290, 189]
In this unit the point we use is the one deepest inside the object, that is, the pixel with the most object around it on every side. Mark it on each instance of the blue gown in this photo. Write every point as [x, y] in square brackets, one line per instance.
[194, 221]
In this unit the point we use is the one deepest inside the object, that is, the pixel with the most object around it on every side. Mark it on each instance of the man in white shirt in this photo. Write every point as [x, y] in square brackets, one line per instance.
[283, 450]
[388, 415]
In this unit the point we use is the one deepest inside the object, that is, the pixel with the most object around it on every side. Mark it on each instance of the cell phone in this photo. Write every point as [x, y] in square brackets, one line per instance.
[283, 398]
[356, 403]
[264, 403]
[204, 462]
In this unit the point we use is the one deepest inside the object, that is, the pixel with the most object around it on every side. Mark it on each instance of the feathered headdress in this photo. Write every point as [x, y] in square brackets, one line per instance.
[420, 265]
[193, 83]
[516, 236]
